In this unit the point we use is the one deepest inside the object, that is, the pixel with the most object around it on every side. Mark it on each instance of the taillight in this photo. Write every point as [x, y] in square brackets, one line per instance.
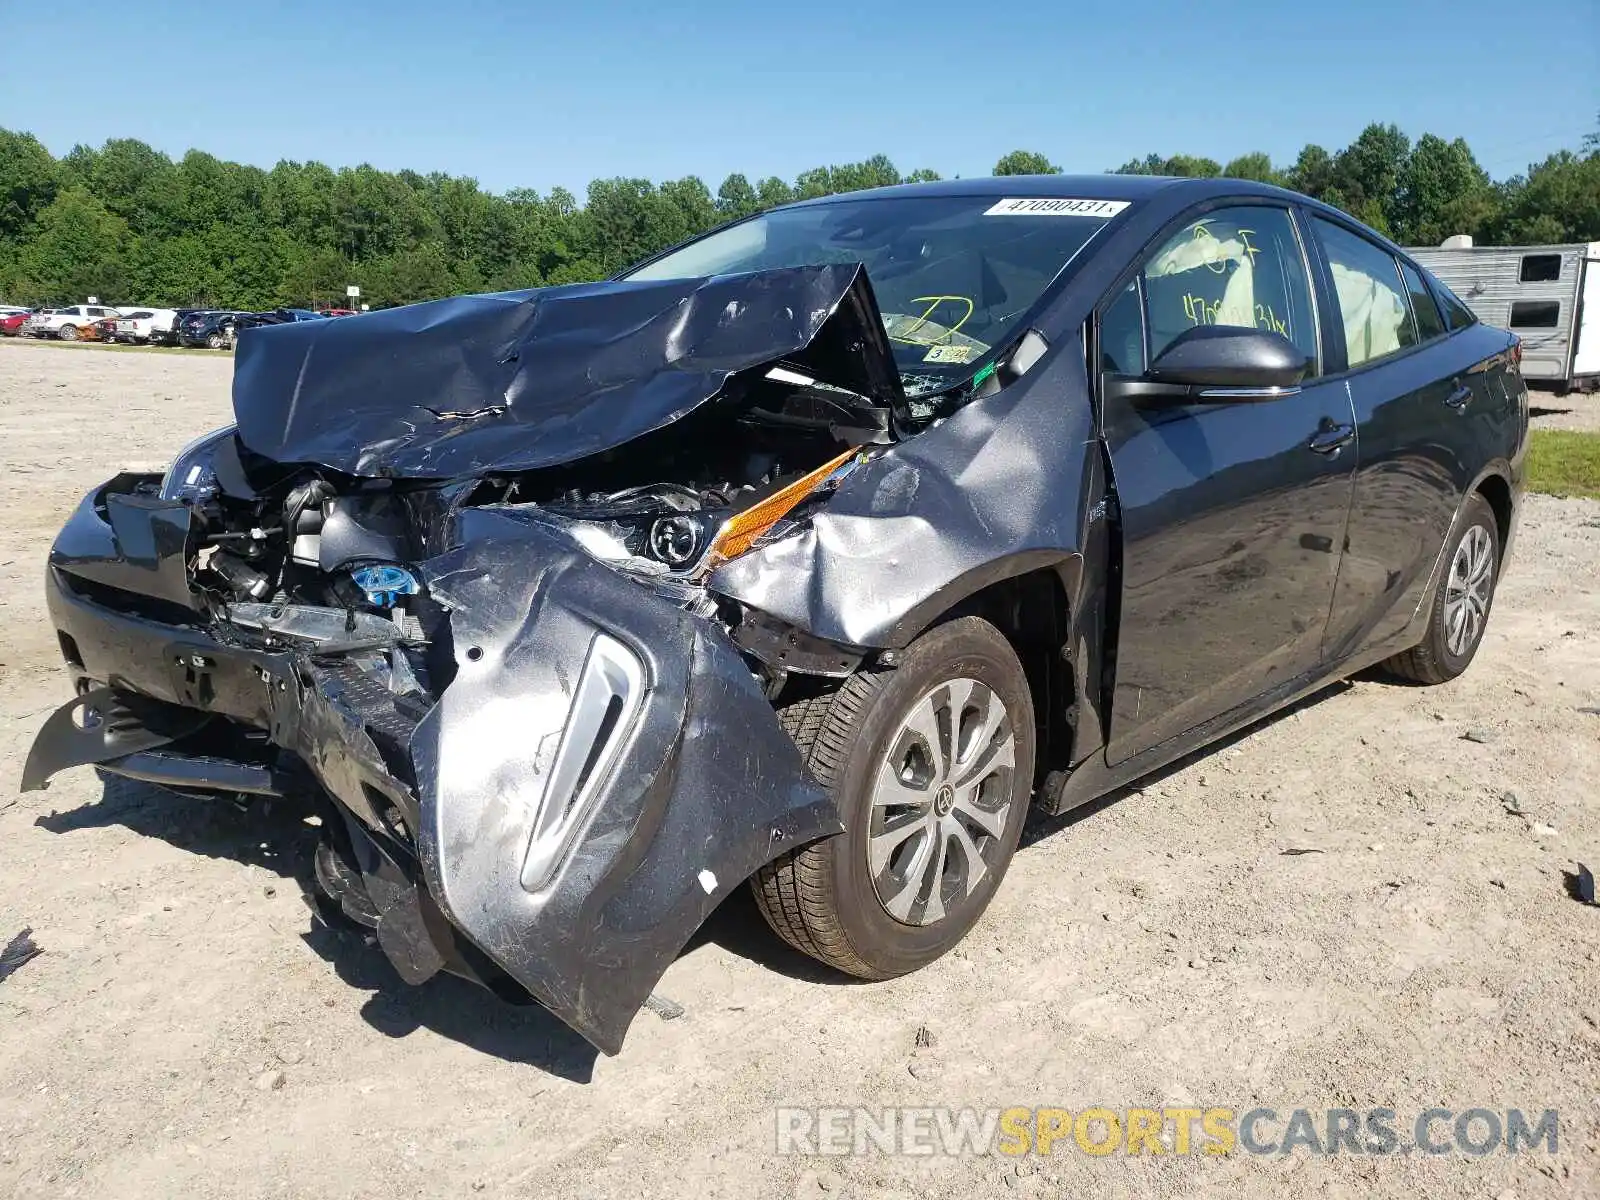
[1516, 351]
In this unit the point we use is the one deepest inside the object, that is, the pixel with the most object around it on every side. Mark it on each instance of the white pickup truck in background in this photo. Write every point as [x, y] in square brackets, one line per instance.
[68, 324]
[141, 325]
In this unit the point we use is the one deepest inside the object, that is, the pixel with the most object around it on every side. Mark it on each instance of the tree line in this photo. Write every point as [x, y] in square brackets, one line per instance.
[126, 223]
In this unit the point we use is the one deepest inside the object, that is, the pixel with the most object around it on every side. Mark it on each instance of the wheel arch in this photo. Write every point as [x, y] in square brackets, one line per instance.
[1494, 485]
[1028, 598]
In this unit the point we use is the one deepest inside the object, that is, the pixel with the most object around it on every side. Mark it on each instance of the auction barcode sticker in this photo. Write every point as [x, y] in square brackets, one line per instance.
[1049, 206]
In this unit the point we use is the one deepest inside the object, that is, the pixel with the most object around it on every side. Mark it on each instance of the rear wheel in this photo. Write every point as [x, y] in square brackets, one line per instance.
[68, 333]
[214, 341]
[932, 767]
[1461, 601]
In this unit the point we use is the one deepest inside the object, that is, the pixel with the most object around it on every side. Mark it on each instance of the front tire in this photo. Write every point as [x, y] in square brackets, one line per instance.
[214, 341]
[932, 767]
[68, 333]
[1461, 601]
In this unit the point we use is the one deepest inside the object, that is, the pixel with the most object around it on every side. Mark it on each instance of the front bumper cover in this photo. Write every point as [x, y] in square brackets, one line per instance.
[695, 787]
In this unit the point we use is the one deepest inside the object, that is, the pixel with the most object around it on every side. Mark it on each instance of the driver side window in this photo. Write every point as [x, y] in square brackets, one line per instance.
[1233, 266]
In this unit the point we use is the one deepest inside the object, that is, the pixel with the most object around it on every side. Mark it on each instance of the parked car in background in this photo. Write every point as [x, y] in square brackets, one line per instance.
[277, 316]
[103, 330]
[70, 323]
[211, 328]
[935, 503]
[168, 336]
[11, 322]
[137, 326]
[7, 310]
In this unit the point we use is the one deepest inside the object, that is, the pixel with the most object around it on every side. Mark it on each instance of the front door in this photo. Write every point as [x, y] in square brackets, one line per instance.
[1232, 513]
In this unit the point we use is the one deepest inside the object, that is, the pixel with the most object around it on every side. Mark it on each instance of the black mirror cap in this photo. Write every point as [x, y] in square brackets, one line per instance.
[1230, 356]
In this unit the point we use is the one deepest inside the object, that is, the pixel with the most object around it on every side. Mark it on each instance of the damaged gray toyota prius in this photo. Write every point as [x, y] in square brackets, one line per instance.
[809, 554]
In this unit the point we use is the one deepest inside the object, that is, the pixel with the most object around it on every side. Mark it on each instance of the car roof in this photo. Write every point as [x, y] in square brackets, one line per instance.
[1085, 187]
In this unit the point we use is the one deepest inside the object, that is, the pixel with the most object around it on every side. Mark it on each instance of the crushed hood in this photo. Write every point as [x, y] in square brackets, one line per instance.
[515, 381]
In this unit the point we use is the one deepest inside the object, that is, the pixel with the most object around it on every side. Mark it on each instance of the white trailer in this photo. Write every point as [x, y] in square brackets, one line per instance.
[1549, 296]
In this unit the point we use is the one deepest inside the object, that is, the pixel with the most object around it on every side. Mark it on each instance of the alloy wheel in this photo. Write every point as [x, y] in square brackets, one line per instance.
[1467, 593]
[940, 802]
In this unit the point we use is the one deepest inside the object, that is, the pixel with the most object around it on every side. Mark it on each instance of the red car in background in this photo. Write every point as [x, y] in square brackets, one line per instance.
[11, 323]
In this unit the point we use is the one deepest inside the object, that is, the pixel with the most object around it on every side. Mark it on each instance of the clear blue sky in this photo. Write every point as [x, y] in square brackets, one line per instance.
[538, 95]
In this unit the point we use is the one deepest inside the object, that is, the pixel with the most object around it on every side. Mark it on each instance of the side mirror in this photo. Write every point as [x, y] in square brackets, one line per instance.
[1228, 356]
[1222, 364]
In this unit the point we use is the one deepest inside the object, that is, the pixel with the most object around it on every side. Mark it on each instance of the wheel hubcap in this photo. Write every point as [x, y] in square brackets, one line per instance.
[940, 802]
[1467, 591]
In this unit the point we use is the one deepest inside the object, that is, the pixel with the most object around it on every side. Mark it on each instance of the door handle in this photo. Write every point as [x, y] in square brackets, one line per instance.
[1459, 398]
[1331, 439]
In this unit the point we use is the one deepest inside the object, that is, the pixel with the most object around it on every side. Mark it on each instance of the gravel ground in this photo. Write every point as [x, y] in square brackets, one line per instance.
[1337, 908]
[1574, 410]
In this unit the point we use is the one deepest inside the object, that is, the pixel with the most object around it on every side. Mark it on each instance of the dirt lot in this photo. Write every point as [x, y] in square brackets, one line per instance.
[1334, 910]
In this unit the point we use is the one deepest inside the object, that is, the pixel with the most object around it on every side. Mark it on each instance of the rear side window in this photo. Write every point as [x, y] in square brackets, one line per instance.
[1456, 313]
[1540, 268]
[1430, 324]
[1373, 309]
[1234, 266]
[1535, 314]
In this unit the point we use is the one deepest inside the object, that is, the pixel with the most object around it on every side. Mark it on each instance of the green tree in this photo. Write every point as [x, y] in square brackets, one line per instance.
[1192, 167]
[125, 222]
[1558, 201]
[1312, 173]
[1180, 165]
[28, 181]
[1025, 162]
[1150, 164]
[774, 191]
[419, 273]
[1256, 166]
[1441, 190]
[1367, 174]
[736, 198]
[77, 250]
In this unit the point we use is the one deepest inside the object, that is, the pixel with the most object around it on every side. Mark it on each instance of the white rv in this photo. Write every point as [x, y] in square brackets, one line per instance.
[1549, 296]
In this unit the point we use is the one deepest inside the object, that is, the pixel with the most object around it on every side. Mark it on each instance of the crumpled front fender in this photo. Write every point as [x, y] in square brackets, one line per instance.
[598, 775]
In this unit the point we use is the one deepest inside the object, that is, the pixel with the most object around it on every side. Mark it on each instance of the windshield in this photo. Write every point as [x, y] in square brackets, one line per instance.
[954, 275]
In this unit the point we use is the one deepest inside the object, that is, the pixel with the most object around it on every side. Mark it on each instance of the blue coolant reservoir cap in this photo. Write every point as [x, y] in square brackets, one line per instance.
[385, 582]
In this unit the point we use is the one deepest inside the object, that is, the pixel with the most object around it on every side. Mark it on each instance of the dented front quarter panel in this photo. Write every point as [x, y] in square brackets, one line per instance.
[996, 490]
[705, 790]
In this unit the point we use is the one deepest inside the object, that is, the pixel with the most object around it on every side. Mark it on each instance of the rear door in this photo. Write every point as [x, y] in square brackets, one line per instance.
[1232, 513]
[1428, 412]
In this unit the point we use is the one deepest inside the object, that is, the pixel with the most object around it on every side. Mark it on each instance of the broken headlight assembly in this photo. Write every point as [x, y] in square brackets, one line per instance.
[670, 530]
[191, 476]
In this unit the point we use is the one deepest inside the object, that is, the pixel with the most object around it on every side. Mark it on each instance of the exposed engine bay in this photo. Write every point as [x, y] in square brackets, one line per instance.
[319, 538]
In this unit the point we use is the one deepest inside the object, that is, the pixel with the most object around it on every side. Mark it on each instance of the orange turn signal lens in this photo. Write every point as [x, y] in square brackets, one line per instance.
[739, 532]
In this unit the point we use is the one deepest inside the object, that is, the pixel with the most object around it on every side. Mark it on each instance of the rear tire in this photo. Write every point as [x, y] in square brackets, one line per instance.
[68, 333]
[1459, 613]
[214, 341]
[886, 896]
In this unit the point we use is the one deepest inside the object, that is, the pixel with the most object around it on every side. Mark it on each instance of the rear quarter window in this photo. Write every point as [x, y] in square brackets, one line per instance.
[1456, 313]
[1430, 322]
